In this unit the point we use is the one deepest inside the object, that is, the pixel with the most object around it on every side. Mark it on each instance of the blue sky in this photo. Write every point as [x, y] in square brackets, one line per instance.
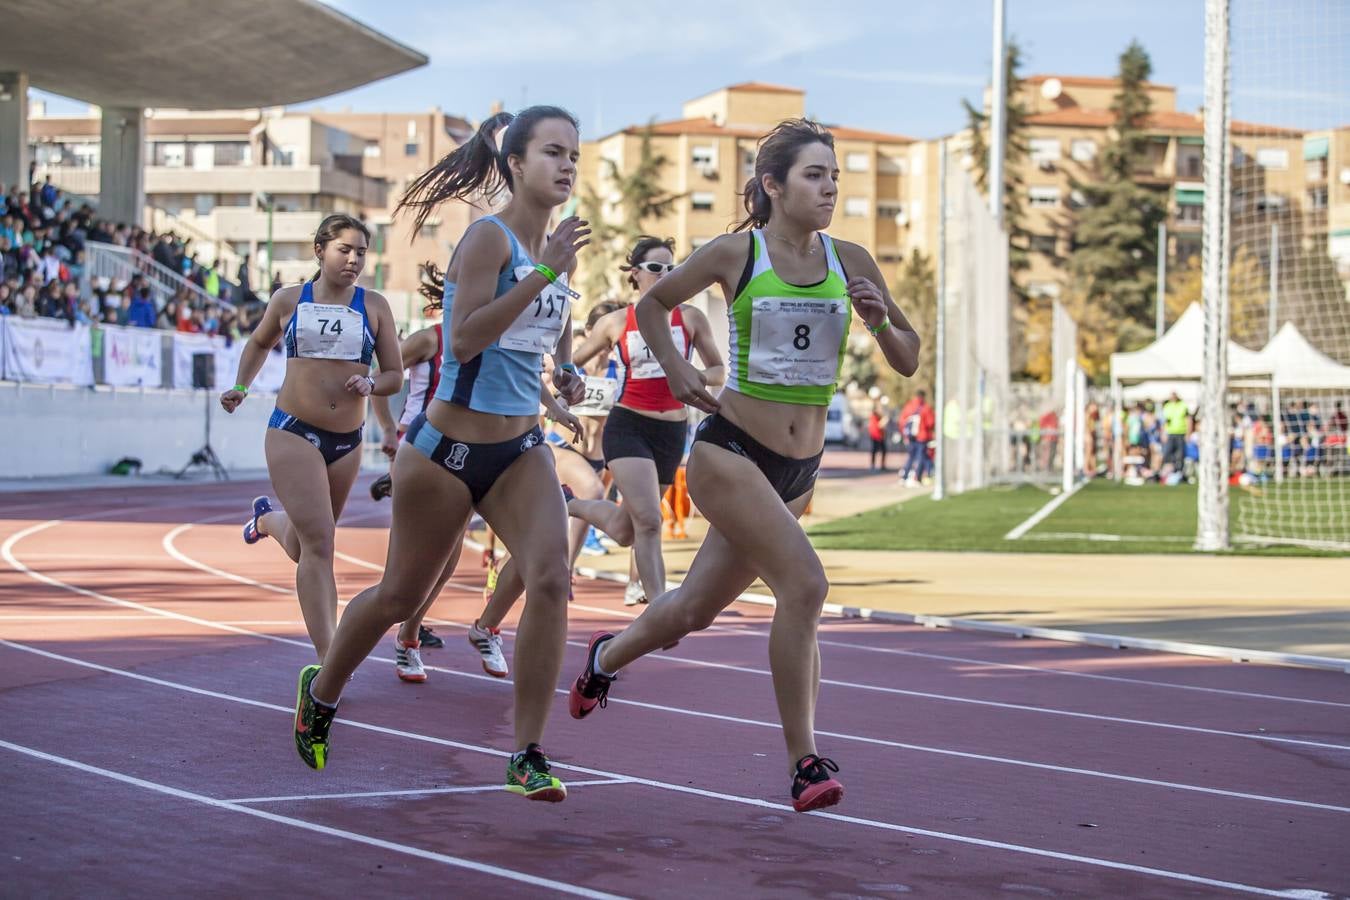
[900, 66]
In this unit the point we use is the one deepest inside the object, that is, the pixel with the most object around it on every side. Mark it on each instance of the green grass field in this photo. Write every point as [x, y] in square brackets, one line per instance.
[1123, 519]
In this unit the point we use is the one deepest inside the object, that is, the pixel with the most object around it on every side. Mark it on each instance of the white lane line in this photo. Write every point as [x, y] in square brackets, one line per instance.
[698, 792]
[1119, 679]
[773, 726]
[750, 628]
[343, 834]
[417, 792]
[851, 685]
[6, 552]
[1040, 515]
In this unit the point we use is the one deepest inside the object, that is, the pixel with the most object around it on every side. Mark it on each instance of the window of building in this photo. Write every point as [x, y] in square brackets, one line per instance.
[892, 209]
[204, 203]
[371, 151]
[704, 157]
[234, 200]
[858, 162]
[857, 207]
[171, 155]
[701, 201]
[1044, 150]
[1083, 150]
[1190, 214]
[891, 165]
[203, 156]
[1044, 243]
[1272, 158]
[1317, 197]
[410, 149]
[1044, 197]
[748, 164]
[233, 153]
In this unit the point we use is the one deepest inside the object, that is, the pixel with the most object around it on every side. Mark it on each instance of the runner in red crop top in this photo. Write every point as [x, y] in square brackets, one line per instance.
[645, 433]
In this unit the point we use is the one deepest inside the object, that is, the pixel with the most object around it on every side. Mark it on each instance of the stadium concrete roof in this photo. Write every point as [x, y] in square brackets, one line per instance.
[185, 54]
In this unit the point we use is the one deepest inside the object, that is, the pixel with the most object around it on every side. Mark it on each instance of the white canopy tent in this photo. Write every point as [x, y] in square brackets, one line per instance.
[1294, 363]
[1178, 356]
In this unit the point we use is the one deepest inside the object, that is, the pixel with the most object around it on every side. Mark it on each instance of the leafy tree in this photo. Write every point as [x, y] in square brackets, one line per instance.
[639, 199]
[916, 294]
[1115, 238]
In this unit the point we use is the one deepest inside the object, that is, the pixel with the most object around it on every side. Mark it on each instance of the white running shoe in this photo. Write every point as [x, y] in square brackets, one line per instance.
[488, 643]
[632, 595]
[408, 661]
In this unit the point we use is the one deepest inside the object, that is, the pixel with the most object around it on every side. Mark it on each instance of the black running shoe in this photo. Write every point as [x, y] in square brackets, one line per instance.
[382, 487]
[591, 689]
[312, 721]
[813, 787]
[428, 638]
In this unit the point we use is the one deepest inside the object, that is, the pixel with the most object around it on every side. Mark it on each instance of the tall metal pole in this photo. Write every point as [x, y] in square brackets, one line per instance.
[1212, 503]
[939, 377]
[998, 125]
[271, 204]
[1161, 324]
[1274, 281]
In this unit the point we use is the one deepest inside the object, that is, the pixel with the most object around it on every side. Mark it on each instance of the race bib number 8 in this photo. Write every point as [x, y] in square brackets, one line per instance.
[328, 332]
[641, 363]
[795, 341]
[599, 399]
[539, 325]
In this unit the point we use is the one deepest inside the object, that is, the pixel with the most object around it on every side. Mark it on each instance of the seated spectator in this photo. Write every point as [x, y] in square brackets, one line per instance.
[6, 306]
[168, 316]
[141, 312]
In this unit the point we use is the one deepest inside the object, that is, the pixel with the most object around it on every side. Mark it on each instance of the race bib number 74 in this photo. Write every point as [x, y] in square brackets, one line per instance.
[795, 341]
[324, 331]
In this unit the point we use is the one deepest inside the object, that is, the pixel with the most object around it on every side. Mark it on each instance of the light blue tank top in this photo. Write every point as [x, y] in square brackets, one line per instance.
[499, 380]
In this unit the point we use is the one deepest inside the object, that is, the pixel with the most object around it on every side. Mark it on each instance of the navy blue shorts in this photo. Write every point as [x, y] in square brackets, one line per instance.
[332, 445]
[477, 465]
[789, 478]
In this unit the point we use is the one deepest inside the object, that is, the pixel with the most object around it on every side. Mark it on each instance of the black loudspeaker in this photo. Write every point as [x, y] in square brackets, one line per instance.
[204, 370]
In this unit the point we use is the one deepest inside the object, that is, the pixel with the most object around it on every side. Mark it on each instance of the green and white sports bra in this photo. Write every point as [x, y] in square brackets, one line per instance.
[788, 341]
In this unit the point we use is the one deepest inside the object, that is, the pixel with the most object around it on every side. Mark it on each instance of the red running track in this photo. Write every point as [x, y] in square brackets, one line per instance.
[146, 681]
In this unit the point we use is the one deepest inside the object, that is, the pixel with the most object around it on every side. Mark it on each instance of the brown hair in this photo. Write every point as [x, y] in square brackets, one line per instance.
[432, 286]
[777, 152]
[476, 167]
[601, 309]
[645, 244]
[331, 227]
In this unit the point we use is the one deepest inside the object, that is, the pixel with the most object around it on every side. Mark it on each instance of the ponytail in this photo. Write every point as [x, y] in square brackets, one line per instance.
[470, 169]
[432, 286]
[477, 168]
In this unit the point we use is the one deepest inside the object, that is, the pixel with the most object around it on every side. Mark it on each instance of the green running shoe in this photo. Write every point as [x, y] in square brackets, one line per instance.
[312, 721]
[527, 774]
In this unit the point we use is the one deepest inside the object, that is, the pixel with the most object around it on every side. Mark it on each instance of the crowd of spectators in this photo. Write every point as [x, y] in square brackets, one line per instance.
[44, 239]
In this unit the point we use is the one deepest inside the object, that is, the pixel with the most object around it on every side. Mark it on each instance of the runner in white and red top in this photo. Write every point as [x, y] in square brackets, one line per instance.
[647, 429]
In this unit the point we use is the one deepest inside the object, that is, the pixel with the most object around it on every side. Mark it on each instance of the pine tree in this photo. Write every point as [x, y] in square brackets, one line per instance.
[639, 200]
[1115, 238]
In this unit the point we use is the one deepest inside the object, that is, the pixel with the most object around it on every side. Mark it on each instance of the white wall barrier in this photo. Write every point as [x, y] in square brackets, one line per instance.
[54, 430]
[185, 346]
[46, 351]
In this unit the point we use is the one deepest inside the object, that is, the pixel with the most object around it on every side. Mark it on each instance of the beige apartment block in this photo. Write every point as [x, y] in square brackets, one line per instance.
[209, 175]
[884, 195]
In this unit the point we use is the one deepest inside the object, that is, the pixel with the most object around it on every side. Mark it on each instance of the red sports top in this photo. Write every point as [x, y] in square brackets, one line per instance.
[644, 382]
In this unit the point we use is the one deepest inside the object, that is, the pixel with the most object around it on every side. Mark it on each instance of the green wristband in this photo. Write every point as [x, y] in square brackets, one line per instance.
[548, 273]
[241, 388]
[885, 323]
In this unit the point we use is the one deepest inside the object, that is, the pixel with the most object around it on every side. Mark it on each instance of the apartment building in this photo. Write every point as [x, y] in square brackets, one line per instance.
[211, 175]
[1069, 124]
[884, 195]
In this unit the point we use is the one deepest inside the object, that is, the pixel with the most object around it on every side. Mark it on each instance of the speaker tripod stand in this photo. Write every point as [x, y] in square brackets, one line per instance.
[206, 454]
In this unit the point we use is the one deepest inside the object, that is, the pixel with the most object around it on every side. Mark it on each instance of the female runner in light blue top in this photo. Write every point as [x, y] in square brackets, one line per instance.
[478, 445]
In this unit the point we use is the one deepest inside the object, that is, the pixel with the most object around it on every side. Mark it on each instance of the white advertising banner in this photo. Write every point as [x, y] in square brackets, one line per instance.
[133, 357]
[185, 346]
[269, 377]
[47, 351]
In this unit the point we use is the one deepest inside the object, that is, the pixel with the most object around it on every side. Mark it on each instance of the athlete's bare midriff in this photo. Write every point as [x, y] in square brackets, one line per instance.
[789, 429]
